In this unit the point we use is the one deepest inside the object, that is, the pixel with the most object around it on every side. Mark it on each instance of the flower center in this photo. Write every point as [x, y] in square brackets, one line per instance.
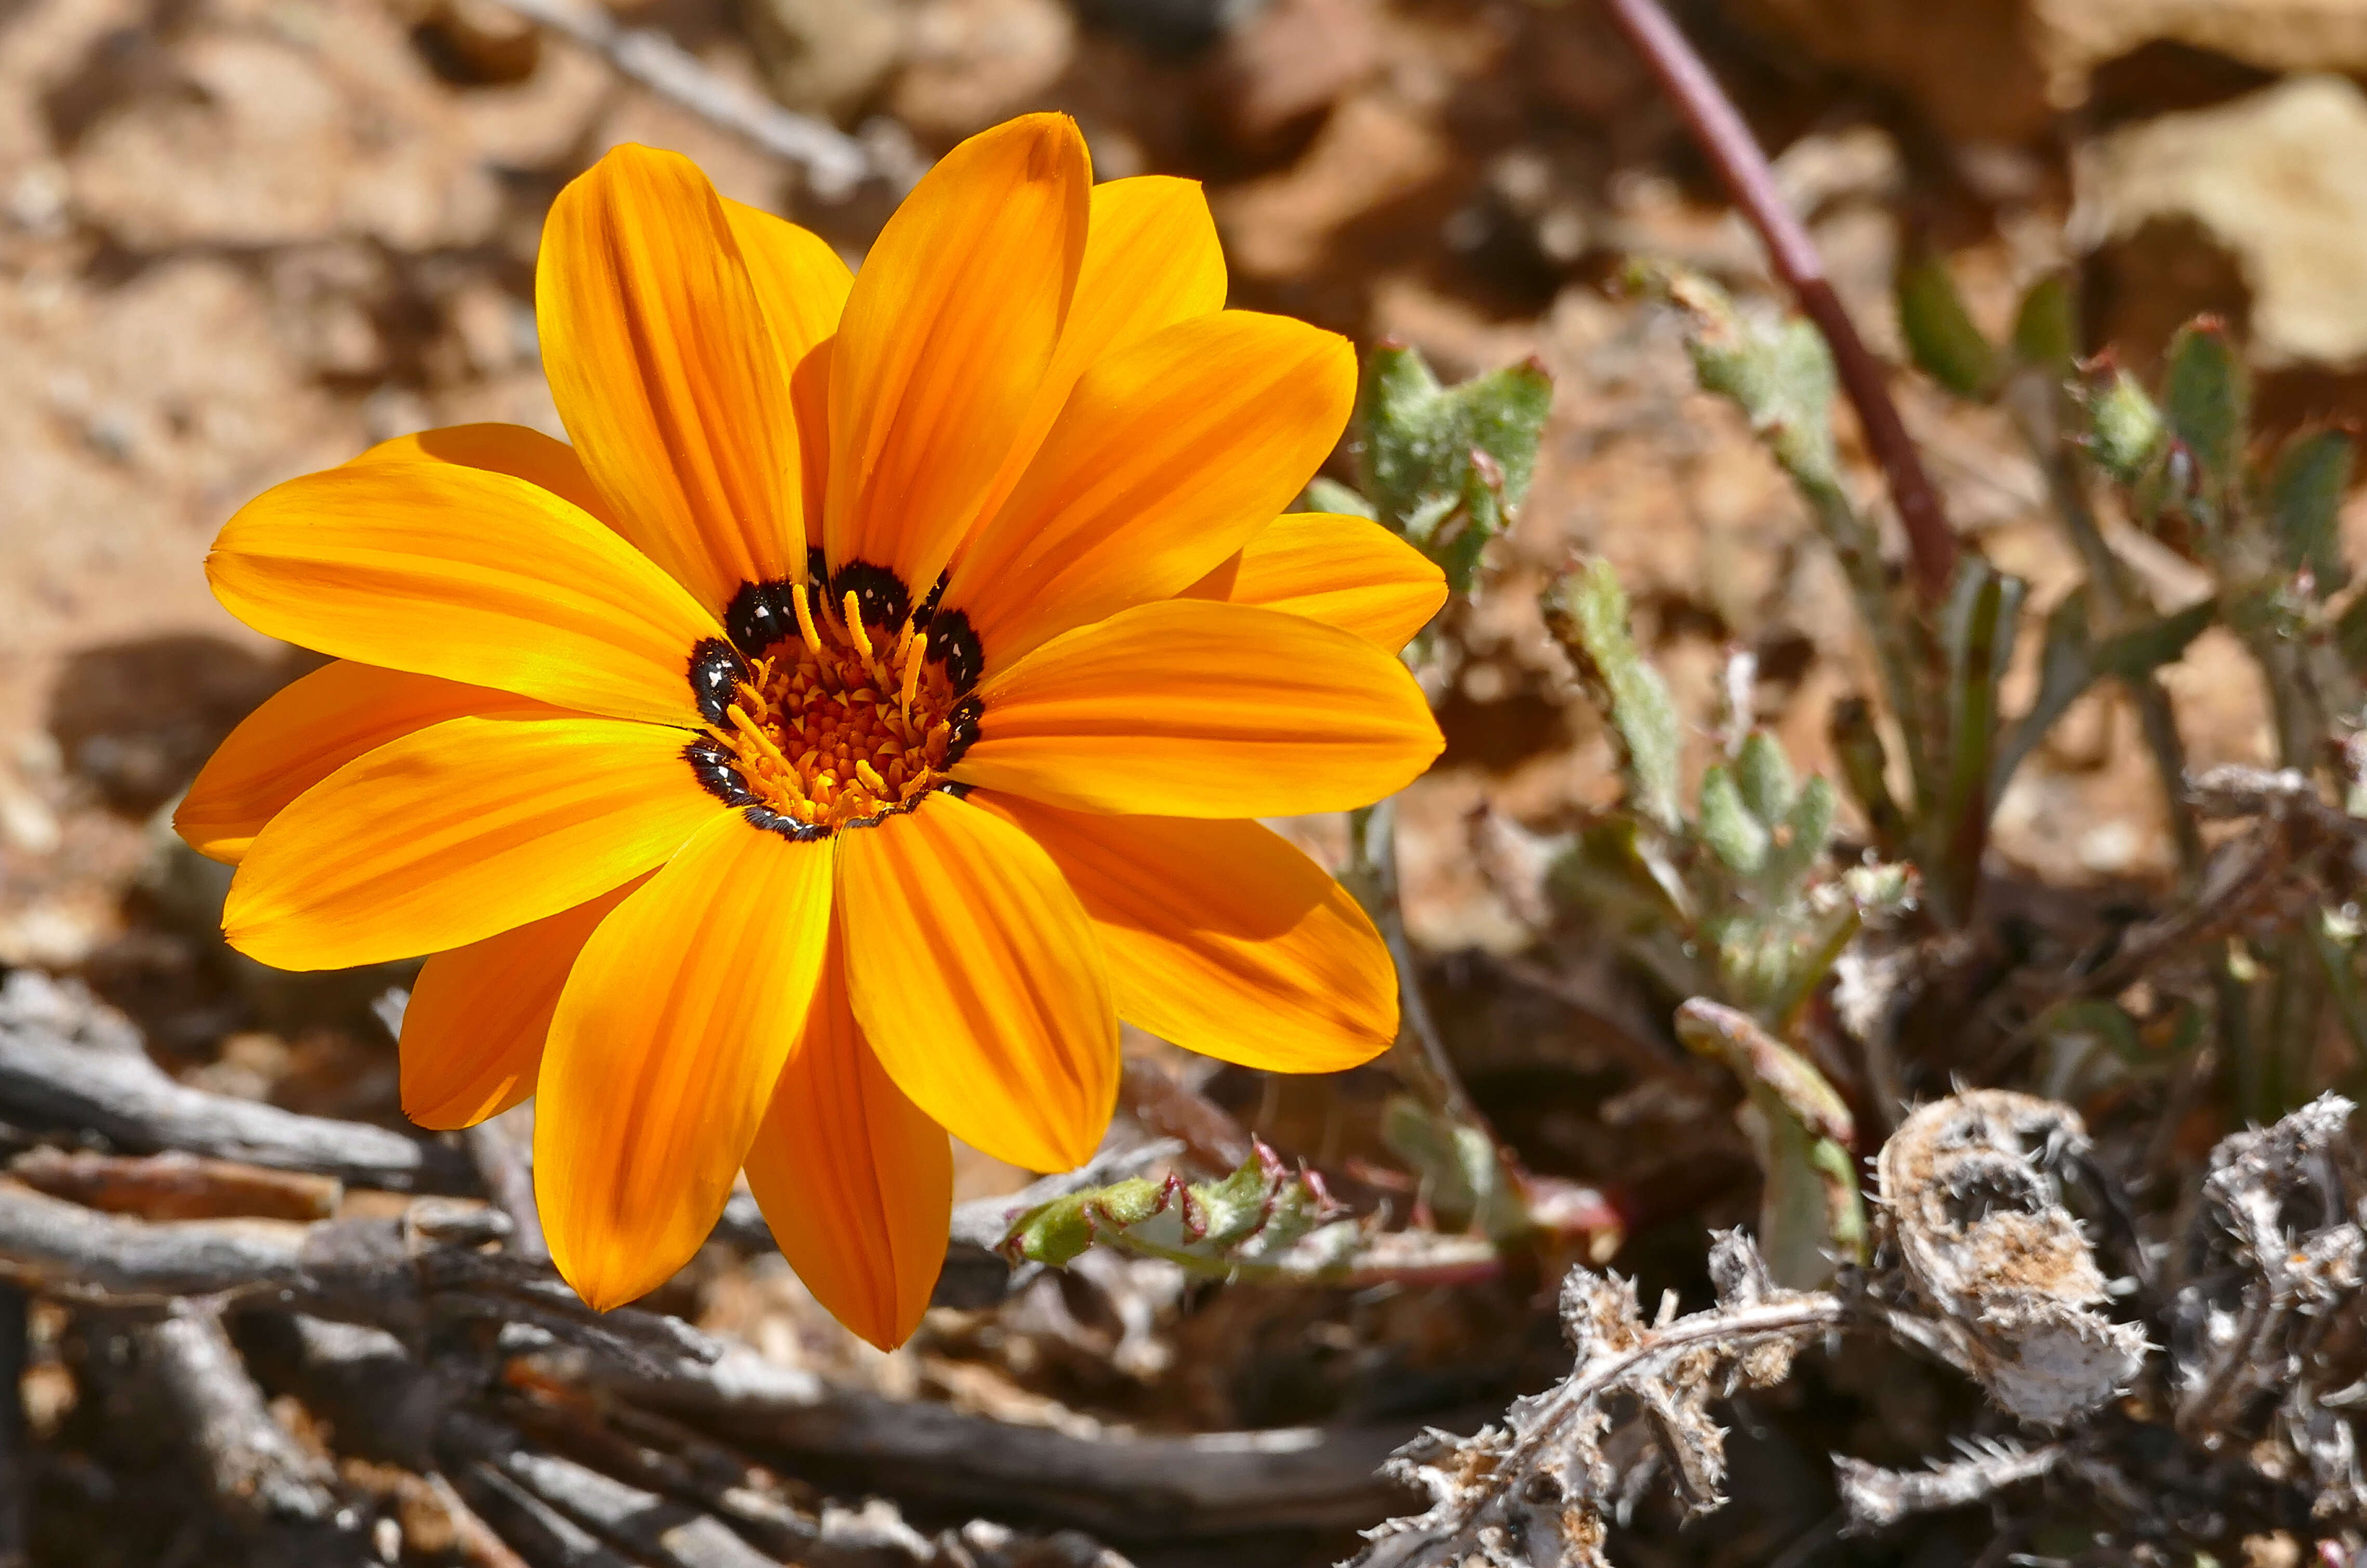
[828, 716]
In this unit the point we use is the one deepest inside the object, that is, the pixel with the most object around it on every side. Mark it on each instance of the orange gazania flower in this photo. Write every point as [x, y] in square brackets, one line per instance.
[859, 719]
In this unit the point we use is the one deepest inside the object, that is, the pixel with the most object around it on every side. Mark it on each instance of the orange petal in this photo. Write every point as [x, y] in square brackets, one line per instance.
[666, 373]
[1188, 708]
[800, 281]
[472, 1034]
[448, 835]
[475, 576]
[1223, 938]
[854, 1179]
[308, 729]
[1151, 260]
[668, 1038]
[1348, 572]
[511, 449]
[978, 983]
[810, 390]
[946, 335]
[1169, 457]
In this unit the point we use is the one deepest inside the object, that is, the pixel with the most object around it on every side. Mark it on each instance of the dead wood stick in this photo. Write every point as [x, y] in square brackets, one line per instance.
[540, 1533]
[382, 1273]
[53, 1247]
[1211, 1484]
[176, 1186]
[48, 1078]
[16, 1481]
[478, 1543]
[664, 1530]
[509, 1180]
[255, 1467]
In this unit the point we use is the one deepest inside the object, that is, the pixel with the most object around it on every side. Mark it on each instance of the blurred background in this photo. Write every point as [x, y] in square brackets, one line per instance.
[240, 240]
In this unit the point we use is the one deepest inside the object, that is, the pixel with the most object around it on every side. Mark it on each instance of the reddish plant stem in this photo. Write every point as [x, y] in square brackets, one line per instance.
[1717, 126]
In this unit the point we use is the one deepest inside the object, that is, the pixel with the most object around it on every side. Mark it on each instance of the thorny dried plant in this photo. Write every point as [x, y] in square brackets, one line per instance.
[1982, 1265]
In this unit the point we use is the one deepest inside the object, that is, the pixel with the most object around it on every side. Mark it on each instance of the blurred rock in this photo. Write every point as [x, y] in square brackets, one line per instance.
[261, 145]
[136, 720]
[2277, 181]
[825, 57]
[973, 62]
[2002, 69]
[475, 43]
[1292, 61]
[2075, 36]
[1972, 65]
[1371, 151]
[320, 306]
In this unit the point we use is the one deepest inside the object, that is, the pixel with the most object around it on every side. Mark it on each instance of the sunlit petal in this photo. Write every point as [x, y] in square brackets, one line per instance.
[668, 1040]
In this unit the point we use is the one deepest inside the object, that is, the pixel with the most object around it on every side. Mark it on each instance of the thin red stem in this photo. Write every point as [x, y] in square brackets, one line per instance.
[1718, 127]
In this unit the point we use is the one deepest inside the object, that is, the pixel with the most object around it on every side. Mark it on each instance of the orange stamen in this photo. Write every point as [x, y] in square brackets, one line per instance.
[854, 629]
[806, 621]
[844, 723]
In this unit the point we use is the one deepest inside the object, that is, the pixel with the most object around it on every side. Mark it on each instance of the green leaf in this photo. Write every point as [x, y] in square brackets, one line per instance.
[1764, 774]
[1587, 613]
[2306, 504]
[1733, 1037]
[1778, 373]
[1733, 834]
[1941, 336]
[2144, 648]
[1447, 467]
[2207, 396]
[1057, 1232]
[1866, 768]
[2350, 637]
[2125, 429]
[2047, 327]
[1329, 495]
[1461, 1174]
[1253, 1214]
[1800, 1129]
[1976, 632]
[1801, 840]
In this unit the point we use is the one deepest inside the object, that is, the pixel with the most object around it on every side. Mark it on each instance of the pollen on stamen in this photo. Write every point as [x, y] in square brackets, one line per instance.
[837, 724]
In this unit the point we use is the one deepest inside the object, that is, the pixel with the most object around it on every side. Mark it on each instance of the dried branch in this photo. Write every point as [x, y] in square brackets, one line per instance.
[1875, 1498]
[1211, 1484]
[68, 1064]
[16, 1488]
[253, 1466]
[508, 1176]
[2275, 1254]
[1532, 1491]
[176, 1186]
[833, 162]
[1719, 128]
[645, 1523]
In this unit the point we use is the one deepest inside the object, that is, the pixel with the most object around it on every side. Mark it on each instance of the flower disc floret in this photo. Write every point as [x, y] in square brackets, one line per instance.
[847, 718]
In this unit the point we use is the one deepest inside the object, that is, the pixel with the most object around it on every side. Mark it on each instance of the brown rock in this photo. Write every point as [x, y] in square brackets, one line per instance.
[972, 63]
[1371, 151]
[2276, 180]
[1972, 65]
[825, 57]
[1293, 60]
[2075, 36]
